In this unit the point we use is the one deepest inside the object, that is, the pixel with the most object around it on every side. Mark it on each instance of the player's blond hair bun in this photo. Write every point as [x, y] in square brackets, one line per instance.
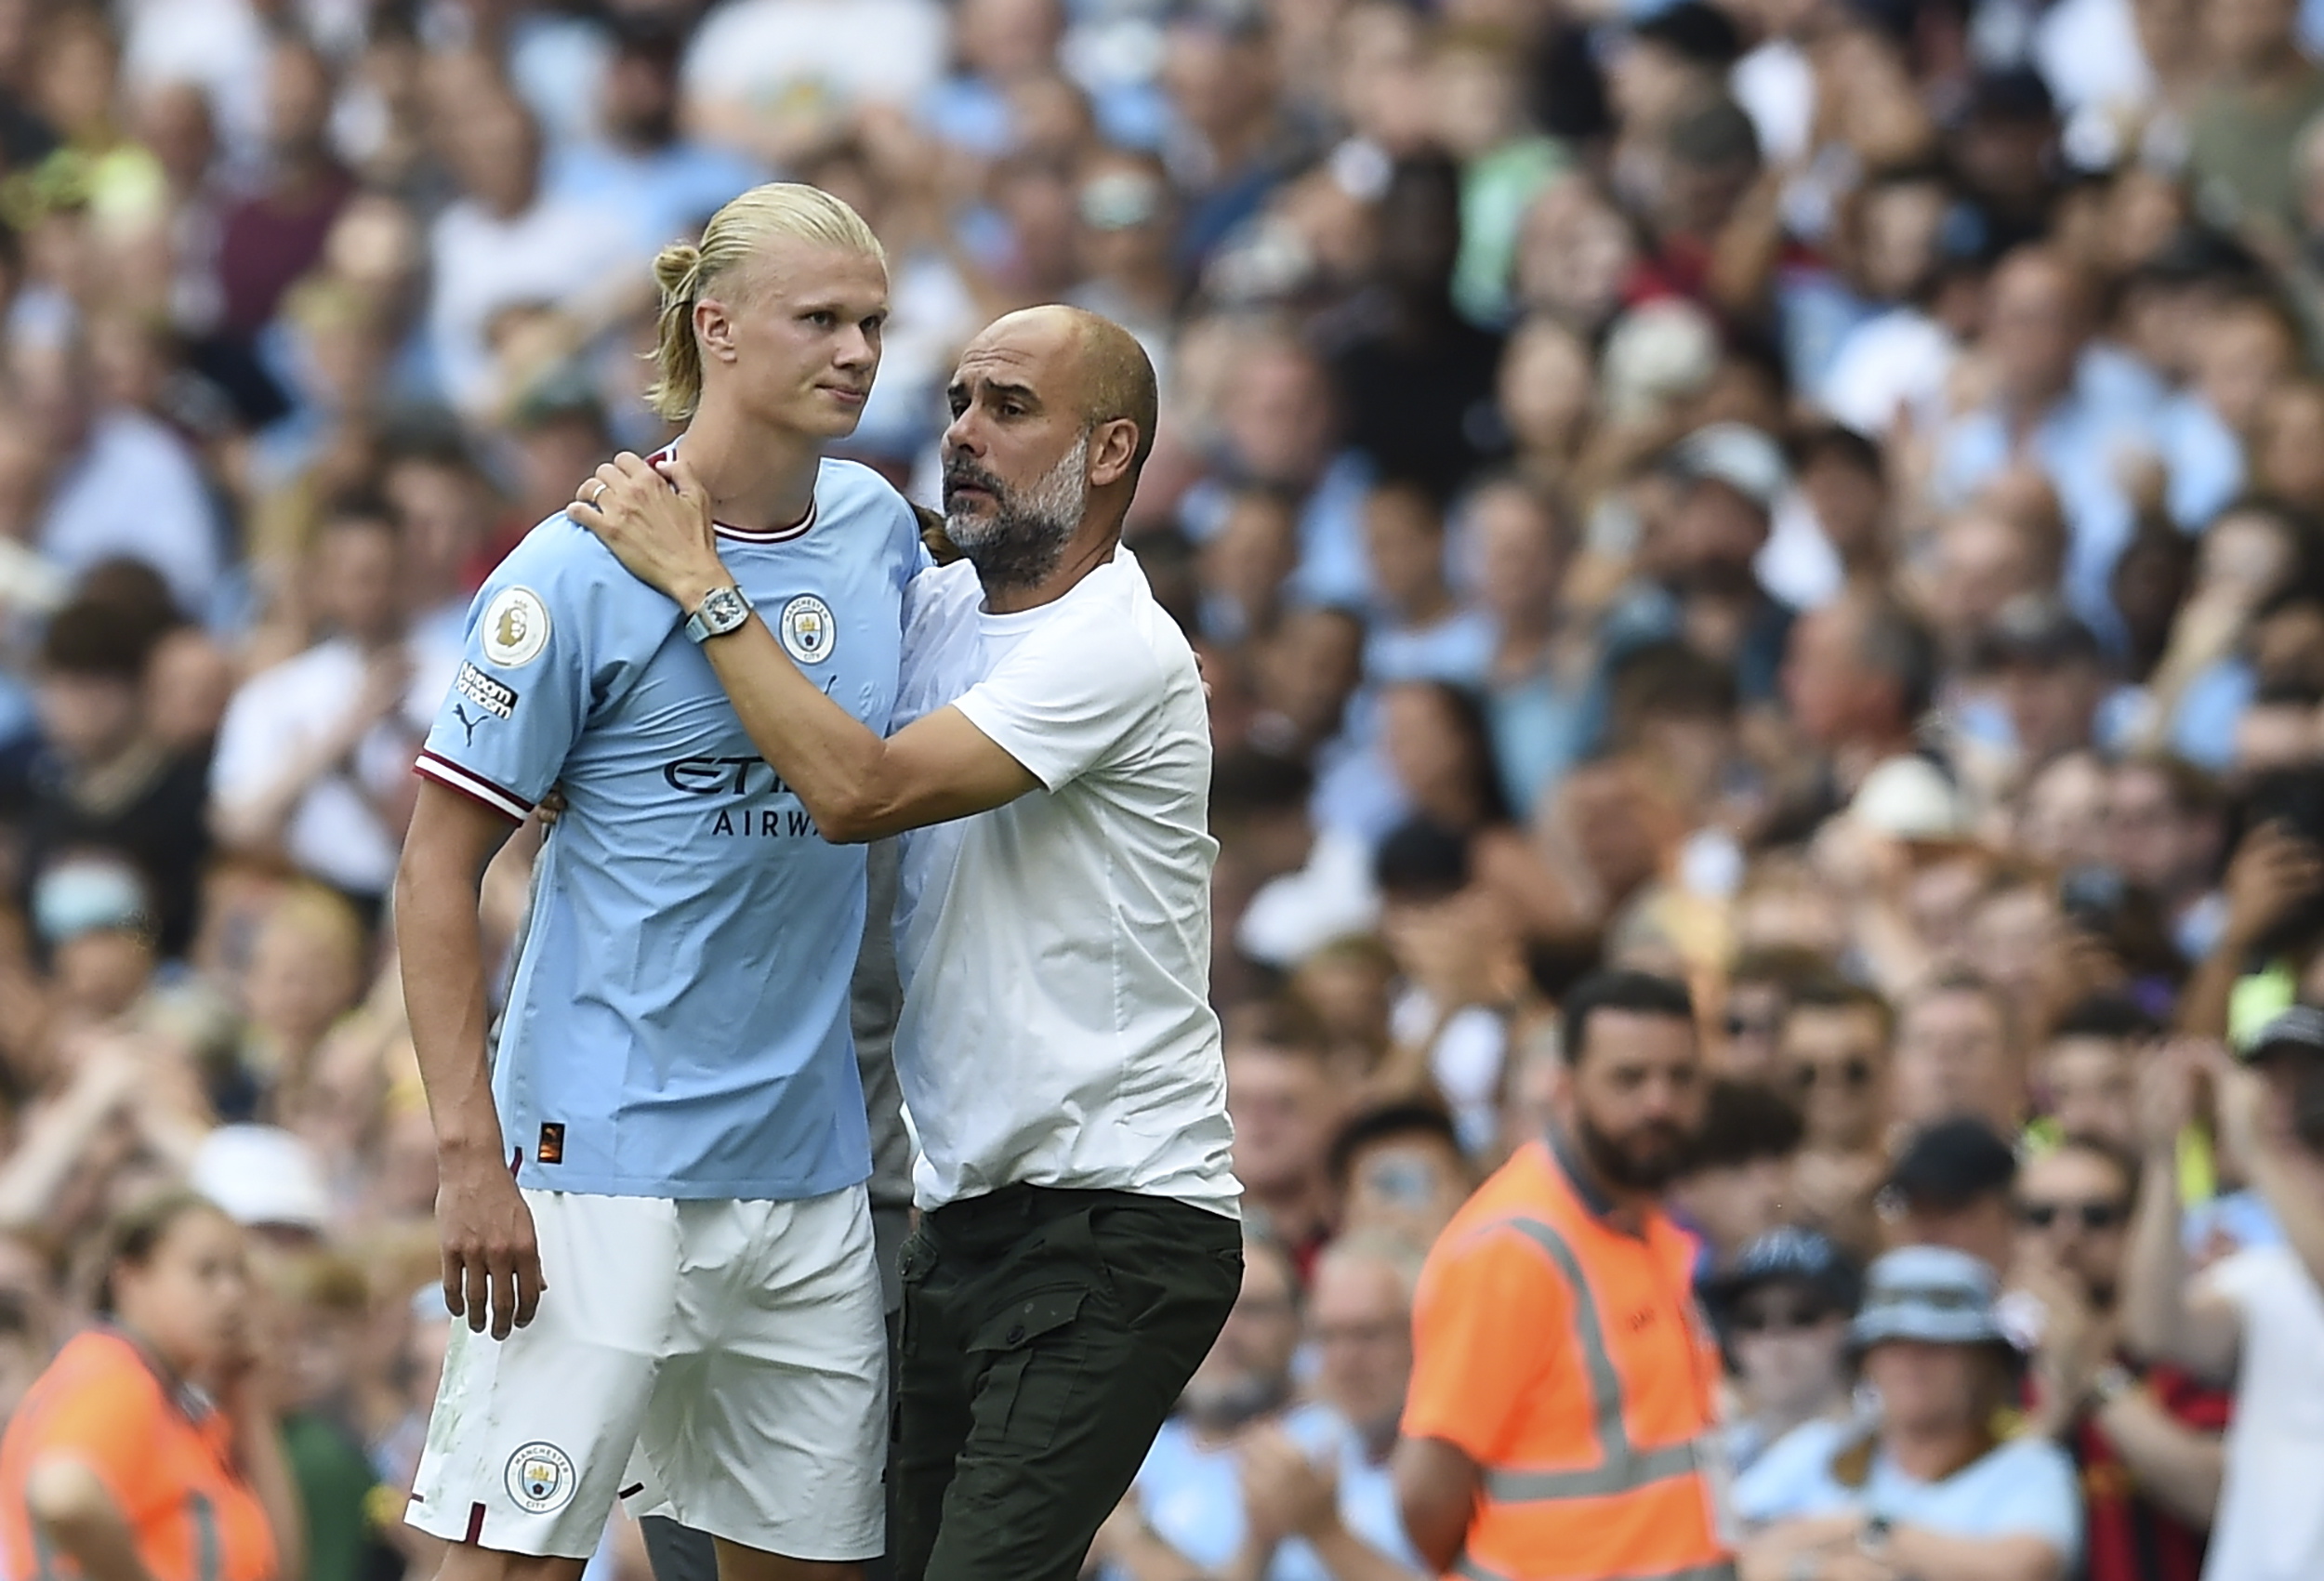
[684, 270]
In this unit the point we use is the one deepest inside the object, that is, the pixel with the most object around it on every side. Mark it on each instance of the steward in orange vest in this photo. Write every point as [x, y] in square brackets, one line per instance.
[1561, 1422]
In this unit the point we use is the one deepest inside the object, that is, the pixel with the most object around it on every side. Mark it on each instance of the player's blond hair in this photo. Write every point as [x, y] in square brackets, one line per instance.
[685, 270]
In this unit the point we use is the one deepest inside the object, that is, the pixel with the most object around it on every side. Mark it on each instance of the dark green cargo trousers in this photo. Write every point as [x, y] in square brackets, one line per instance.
[1046, 1334]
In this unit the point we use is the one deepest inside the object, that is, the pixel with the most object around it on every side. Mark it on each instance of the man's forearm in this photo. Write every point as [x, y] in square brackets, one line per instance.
[2154, 1268]
[828, 758]
[441, 942]
[2177, 1467]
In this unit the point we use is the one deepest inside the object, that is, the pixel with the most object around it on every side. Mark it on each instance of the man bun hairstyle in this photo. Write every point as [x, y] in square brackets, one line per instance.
[684, 270]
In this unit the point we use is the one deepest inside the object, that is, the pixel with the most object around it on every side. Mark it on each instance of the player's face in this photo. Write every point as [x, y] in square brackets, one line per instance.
[800, 328]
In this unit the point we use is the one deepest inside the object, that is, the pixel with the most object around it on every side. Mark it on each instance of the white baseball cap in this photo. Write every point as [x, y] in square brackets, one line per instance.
[262, 1176]
[1909, 798]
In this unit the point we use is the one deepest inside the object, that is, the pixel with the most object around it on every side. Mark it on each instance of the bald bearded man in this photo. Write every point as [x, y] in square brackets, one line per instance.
[1078, 1248]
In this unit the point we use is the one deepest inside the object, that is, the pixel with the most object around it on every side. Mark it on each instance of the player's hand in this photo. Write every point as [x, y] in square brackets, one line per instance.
[492, 1260]
[657, 523]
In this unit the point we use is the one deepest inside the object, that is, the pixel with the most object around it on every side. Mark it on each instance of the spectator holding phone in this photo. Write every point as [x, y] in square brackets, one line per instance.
[2256, 1316]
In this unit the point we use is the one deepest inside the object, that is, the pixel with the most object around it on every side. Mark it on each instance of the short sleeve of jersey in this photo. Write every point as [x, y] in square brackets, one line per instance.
[522, 692]
[1064, 700]
[1485, 1306]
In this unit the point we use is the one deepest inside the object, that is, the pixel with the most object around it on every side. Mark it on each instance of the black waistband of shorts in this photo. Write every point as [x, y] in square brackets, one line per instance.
[1023, 1203]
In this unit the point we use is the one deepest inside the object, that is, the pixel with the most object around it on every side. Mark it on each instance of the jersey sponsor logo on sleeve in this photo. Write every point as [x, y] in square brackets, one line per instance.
[495, 697]
[540, 1478]
[516, 628]
[808, 631]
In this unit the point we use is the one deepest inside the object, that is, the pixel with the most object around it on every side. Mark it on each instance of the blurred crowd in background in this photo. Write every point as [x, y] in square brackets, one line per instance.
[1820, 498]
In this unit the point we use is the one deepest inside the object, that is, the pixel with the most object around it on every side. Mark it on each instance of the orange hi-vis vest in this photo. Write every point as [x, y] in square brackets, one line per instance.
[1568, 1357]
[166, 1459]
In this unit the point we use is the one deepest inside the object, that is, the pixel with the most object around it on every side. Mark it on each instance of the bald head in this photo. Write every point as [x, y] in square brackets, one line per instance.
[1098, 365]
[1053, 416]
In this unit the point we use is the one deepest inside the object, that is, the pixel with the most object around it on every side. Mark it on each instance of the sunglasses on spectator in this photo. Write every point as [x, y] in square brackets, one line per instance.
[1853, 1073]
[1779, 1319]
[2094, 1216]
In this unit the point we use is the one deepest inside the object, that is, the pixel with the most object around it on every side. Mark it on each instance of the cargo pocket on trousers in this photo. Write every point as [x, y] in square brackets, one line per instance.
[1030, 1369]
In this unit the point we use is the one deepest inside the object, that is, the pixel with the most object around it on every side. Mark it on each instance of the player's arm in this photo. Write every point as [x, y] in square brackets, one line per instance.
[492, 1267]
[855, 785]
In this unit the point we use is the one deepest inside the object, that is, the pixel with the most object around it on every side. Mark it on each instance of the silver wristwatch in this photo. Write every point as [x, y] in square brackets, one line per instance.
[723, 610]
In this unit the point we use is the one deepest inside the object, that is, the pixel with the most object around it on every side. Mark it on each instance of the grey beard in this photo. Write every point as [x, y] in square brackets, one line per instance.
[1020, 544]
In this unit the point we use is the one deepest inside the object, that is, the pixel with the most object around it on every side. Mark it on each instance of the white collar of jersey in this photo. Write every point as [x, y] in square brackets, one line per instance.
[797, 529]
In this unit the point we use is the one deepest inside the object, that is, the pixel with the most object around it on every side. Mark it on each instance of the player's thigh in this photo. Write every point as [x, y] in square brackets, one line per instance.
[531, 1436]
[777, 1441]
[1077, 1376]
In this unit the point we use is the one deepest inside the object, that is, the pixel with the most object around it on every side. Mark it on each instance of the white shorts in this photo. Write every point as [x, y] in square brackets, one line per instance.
[724, 1363]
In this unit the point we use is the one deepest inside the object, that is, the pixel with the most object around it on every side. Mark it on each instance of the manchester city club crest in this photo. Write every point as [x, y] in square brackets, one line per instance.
[806, 629]
[540, 1478]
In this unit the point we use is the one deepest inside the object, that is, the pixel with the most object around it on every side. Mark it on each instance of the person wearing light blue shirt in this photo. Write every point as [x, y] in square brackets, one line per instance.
[638, 166]
[1929, 1484]
[1309, 1496]
[653, 1201]
[2084, 414]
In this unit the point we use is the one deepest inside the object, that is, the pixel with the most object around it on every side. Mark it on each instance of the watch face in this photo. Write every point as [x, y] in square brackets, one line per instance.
[724, 608]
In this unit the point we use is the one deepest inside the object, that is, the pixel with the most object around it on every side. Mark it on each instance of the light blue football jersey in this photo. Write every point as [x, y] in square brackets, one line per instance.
[678, 1024]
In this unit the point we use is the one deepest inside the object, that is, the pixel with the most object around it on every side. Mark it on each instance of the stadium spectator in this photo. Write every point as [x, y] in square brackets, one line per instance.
[1400, 1173]
[1930, 1484]
[99, 778]
[508, 245]
[145, 1442]
[1956, 1055]
[121, 482]
[2146, 1440]
[1737, 1185]
[2087, 1074]
[1188, 1498]
[1782, 1310]
[1950, 1187]
[313, 755]
[2256, 1316]
[1280, 1095]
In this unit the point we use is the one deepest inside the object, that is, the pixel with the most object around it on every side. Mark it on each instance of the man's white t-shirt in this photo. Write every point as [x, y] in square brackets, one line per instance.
[334, 832]
[1055, 952]
[2270, 1525]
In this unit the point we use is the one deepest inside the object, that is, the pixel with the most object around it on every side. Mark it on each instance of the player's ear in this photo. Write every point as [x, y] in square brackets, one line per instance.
[1112, 449]
[714, 328]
